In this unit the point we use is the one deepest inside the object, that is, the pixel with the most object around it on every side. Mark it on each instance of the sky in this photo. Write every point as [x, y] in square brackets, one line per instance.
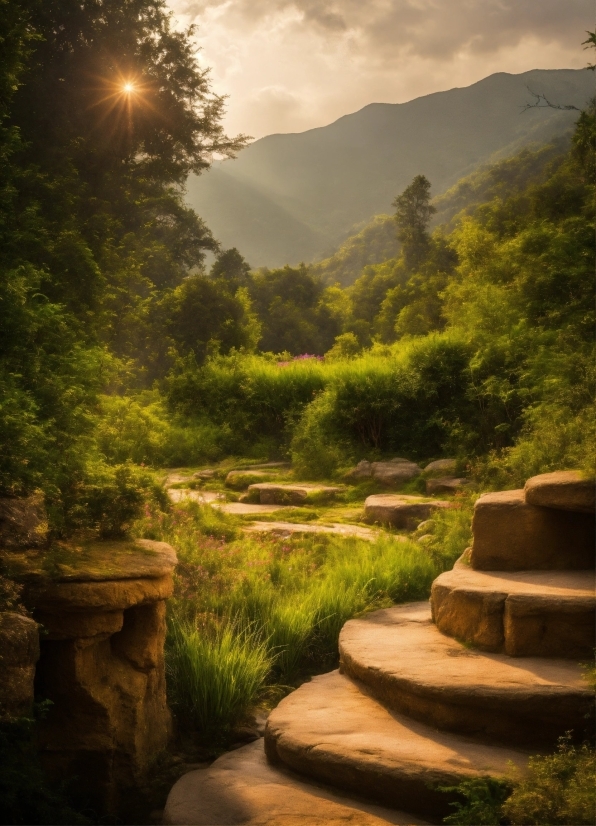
[291, 65]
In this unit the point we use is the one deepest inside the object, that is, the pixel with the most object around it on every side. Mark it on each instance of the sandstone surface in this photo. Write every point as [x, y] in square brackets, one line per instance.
[337, 529]
[248, 509]
[512, 535]
[527, 613]
[441, 467]
[269, 493]
[241, 787]
[240, 479]
[400, 510]
[410, 666]
[445, 484]
[395, 473]
[565, 489]
[332, 730]
[19, 652]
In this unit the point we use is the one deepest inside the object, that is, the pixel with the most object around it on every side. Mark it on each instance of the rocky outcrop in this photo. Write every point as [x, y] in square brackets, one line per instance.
[102, 610]
[400, 511]
[565, 490]
[268, 493]
[445, 484]
[286, 529]
[441, 467]
[19, 652]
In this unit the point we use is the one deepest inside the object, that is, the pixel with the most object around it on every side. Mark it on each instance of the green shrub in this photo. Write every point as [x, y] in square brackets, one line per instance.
[483, 802]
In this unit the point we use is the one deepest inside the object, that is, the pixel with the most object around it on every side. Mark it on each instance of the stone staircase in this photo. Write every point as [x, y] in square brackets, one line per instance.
[428, 695]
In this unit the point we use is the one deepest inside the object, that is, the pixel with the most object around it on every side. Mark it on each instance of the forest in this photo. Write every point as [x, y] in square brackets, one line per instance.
[455, 326]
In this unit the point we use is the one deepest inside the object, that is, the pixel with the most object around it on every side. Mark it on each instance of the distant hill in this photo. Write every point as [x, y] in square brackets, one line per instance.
[296, 197]
[377, 242]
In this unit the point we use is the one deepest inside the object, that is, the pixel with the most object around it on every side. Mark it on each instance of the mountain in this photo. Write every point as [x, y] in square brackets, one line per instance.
[295, 197]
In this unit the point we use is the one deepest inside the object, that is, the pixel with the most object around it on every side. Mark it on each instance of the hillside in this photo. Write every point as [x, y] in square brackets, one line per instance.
[295, 197]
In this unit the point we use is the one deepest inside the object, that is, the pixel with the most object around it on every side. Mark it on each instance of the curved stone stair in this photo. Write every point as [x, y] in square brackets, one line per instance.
[427, 696]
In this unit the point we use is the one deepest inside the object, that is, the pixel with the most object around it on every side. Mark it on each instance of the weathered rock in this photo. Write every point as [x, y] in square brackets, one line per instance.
[445, 484]
[23, 522]
[400, 511]
[395, 473]
[19, 652]
[243, 788]
[204, 497]
[269, 493]
[529, 613]
[289, 528]
[248, 509]
[565, 489]
[512, 535]
[205, 474]
[413, 669]
[442, 467]
[240, 479]
[102, 662]
[330, 729]
[363, 470]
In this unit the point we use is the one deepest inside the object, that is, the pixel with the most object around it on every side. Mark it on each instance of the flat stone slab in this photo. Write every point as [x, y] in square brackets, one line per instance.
[203, 497]
[565, 489]
[512, 535]
[241, 787]
[270, 493]
[241, 479]
[410, 666]
[246, 509]
[337, 529]
[526, 613]
[332, 730]
[441, 467]
[445, 484]
[400, 511]
[394, 473]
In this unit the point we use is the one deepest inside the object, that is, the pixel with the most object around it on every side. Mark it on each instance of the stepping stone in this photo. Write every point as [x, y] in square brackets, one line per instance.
[566, 489]
[394, 473]
[246, 509]
[412, 668]
[445, 484]
[338, 529]
[241, 479]
[204, 497]
[207, 473]
[442, 467]
[332, 730]
[241, 787]
[524, 614]
[512, 535]
[269, 493]
[400, 511]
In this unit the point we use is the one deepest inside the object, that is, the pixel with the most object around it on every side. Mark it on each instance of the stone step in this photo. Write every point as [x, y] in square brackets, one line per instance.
[269, 493]
[565, 489]
[285, 529]
[331, 729]
[241, 787]
[524, 614]
[414, 669]
[512, 535]
[400, 511]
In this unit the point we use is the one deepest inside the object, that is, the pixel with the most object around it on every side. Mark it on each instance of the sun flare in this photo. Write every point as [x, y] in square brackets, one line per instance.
[128, 88]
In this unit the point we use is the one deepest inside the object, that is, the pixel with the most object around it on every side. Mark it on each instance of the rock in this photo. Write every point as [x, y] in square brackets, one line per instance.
[527, 614]
[269, 493]
[102, 606]
[19, 652]
[206, 474]
[23, 522]
[248, 509]
[445, 484]
[288, 528]
[396, 472]
[441, 467]
[412, 668]
[565, 489]
[512, 535]
[400, 511]
[241, 787]
[332, 730]
[363, 470]
[203, 497]
[241, 479]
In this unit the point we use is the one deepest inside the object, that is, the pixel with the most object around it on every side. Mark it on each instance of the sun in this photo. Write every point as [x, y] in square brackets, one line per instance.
[128, 87]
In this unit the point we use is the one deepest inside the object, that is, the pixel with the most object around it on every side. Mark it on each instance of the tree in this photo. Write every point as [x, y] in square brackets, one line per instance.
[413, 212]
[231, 268]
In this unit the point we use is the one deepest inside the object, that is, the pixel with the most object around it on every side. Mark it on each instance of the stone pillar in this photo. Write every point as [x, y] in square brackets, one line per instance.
[101, 607]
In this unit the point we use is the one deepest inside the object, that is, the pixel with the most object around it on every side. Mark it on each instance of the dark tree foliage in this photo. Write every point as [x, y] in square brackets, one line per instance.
[413, 211]
[231, 269]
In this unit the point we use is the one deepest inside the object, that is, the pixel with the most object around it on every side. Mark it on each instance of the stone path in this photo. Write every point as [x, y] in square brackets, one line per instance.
[338, 529]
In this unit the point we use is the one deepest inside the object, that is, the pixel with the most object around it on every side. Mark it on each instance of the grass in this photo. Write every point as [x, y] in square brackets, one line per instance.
[252, 613]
